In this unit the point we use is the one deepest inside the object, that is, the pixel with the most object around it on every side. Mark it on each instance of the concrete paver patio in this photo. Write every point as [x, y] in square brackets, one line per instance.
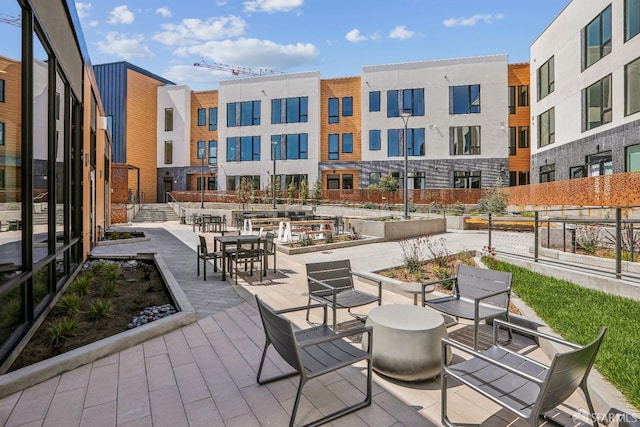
[204, 374]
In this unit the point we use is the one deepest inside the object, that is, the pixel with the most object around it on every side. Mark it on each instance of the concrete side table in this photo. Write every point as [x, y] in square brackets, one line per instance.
[406, 341]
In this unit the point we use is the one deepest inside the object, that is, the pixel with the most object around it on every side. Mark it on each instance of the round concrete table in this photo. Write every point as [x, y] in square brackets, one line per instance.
[406, 341]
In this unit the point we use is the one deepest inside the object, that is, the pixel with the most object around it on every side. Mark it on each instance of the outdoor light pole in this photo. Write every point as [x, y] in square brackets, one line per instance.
[273, 179]
[201, 153]
[405, 119]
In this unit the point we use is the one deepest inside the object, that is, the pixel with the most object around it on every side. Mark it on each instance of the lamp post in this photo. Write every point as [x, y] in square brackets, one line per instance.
[274, 144]
[201, 153]
[405, 119]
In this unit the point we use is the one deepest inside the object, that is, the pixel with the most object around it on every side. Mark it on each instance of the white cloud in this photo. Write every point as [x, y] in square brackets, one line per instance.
[254, 53]
[121, 15]
[83, 9]
[272, 6]
[192, 30]
[93, 23]
[164, 11]
[401, 32]
[118, 44]
[469, 22]
[354, 36]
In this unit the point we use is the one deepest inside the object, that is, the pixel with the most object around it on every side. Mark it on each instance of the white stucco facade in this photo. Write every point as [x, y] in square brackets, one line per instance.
[178, 98]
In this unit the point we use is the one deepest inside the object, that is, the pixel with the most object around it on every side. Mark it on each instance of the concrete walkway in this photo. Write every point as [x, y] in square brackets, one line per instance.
[204, 374]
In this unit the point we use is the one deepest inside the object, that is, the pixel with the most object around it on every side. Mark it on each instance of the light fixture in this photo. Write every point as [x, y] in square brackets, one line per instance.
[433, 126]
[501, 125]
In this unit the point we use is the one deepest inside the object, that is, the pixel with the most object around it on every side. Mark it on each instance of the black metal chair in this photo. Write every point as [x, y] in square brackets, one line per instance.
[247, 252]
[204, 255]
[331, 282]
[312, 352]
[525, 387]
[269, 250]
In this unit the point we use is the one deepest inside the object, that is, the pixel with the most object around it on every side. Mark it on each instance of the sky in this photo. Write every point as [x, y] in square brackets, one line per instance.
[335, 37]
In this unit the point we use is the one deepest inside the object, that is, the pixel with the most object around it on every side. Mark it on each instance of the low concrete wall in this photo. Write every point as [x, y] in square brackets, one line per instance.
[399, 229]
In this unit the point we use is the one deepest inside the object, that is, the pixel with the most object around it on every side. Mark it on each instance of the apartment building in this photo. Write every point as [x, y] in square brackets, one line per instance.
[519, 125]
[54, 161]
[130, 96]
[345, 132]
[585, 92]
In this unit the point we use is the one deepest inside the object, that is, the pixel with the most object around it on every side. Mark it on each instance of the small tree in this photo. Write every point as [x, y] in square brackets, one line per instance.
[387, 184]
[495, 200]
[304, 192]
[317, 192]
[291, 191]
[245, 192]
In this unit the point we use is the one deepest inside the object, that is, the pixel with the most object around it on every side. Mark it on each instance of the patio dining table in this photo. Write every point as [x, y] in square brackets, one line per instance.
[234, 240]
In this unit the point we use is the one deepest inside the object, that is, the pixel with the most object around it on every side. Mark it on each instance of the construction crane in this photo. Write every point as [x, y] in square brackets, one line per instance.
[11, 20]
[235, 70]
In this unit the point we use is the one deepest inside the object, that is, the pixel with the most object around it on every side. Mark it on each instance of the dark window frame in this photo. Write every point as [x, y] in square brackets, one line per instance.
[628, 96]
[548, 173]
[523, 95]
[213, 152]
[168, 152]
[347, 146]
[605, 113]
[512, 99]
[202, 116]
[334, 146]
[604, 44]
[334, 110]
[465, 93]
[213, 118]
[546, 70]
[627, 34]
[467, 179]
[347, 106]
[372, 139]
[374, 101]
[513, 137]
[523, 136]
[542, 119]
[473, 149]
[168, 119]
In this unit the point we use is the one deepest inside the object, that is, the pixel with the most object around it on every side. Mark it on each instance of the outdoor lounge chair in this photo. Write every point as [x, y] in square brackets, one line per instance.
[331, 283]
[523, 386]
[312, 352]
[478, 294]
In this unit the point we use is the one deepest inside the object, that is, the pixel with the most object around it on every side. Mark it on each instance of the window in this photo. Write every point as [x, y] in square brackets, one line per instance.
[374, 140]
[523, 137]
[347, 143]
[1, 133]
[513, 176]
[211, 183]
[546, 79]
[523, 95]
[465, 140]
[374, 101]
[1, 90]
[631, 18]
[598, 103]
[632, 87]
[254, 180]
[465, 179]
[201, 150]
[577, 172]
[405, 101]
[420, 180]
[415, 142]
[213, 118]
[334, 112]
[168, 152]
[202, 116]
[632, 158]
[347, 106]
[466, 99]
[347, 181]
[333, 181]
[546, 128]
[597, 38]
[512, 140]
[512, 99]
[296, 180]
[213, 152]
[599, 164]
[290, 110]
[548, 173]
[523, 178]
[245, 113]
[168, 119]
[297, 146]
[231, 183]
[334, 142]
[374, 178]
[244, 149]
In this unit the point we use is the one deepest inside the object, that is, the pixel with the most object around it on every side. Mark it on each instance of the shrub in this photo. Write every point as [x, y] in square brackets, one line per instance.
[304, 192]
[61, 330]
[495, 200]
[109, 287]
[112, 272]
[587, 237]
[82, 284]
[101, 309]
[98, 267]
[413, 253]
[69, 304]
[438, 251]
[306, 240]
[328, 237]
[457, 209]
[443, 273]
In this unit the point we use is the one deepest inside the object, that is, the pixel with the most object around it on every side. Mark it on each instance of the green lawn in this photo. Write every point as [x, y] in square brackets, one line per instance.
[578, 314]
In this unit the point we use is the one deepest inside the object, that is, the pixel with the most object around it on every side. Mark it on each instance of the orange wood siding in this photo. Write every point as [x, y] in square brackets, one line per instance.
[205, 99]
[339, 88]
[142, 99]
[517, 75]
[354, 172]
